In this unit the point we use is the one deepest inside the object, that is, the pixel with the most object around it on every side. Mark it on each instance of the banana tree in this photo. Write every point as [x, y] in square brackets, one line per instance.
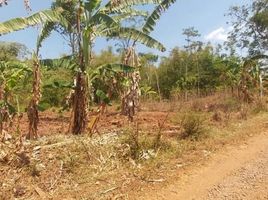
[130, 97]
[11, 73]
[42, 17]
[106, 81]
[250, 76]
[94, 21]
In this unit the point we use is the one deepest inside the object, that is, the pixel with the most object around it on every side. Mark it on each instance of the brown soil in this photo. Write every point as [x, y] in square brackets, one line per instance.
[232, 166]
[239, 172]
[52, 123]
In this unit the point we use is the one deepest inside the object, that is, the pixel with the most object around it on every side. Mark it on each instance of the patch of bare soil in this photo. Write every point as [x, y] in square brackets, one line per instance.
[60, 166]
[239, 172]
[53, 123]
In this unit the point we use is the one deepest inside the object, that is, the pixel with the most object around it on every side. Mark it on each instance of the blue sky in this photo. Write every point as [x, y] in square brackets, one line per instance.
[207, 16]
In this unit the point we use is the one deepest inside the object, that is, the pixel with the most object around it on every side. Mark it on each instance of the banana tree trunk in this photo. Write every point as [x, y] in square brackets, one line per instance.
[130, 97]
[32, 111]
[79, 111]
[80, 100]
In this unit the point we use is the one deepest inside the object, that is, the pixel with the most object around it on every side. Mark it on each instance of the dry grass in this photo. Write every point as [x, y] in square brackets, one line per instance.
[120, 163]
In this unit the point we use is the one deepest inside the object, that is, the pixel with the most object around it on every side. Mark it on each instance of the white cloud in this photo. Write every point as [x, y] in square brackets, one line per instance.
[219, 34]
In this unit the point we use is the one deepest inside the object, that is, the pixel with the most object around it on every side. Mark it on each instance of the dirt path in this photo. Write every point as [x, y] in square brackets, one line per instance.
[236, 173]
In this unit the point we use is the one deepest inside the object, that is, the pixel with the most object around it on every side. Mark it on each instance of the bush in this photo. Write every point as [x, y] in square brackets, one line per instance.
[192, 125]
[141, 146]
[231, 104]
[259, 106]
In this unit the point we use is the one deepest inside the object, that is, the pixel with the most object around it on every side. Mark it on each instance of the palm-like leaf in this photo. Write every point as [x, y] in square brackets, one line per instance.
[151, 21]
[66, 62]
[129, 13]
[136, 35]
[249, 62]
[117, 68]
[92, 5]
[102, 19]
[111, 7]
[45, 32]
[37, 18]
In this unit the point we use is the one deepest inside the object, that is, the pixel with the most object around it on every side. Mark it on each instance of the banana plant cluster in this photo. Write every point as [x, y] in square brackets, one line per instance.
[250, 77]
[108, 80]
[94, 19]
[11, 73]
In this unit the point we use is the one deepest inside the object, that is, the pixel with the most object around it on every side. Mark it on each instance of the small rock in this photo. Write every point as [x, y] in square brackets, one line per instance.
[40, 167]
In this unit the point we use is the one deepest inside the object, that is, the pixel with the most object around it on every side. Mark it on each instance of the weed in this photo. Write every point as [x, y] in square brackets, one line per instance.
[217, 116]
[141, 146]
[130, 142]
[192, 126]
[243, 113]
[259, 106]
[70, 162]
[231, 104]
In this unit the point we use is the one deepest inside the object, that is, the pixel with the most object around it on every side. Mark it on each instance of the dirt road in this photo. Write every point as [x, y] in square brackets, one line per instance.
[235, 173]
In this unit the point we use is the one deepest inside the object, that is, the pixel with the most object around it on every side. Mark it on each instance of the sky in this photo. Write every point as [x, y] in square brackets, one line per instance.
[207, 16]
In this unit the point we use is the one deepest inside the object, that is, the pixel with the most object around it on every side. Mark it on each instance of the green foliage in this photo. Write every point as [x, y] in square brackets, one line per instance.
[37, 18]
[10, 51]
[56, 86]
[103, 97]
[147, 91]
[151, 20]
[250, 26]
[104, 57]
[11, 73]
[203, 71]
[108, 80]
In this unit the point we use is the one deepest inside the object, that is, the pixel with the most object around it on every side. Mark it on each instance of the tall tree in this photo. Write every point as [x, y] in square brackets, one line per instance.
[192, 45]
[68, 8]
[12, 51]
[250, 26]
